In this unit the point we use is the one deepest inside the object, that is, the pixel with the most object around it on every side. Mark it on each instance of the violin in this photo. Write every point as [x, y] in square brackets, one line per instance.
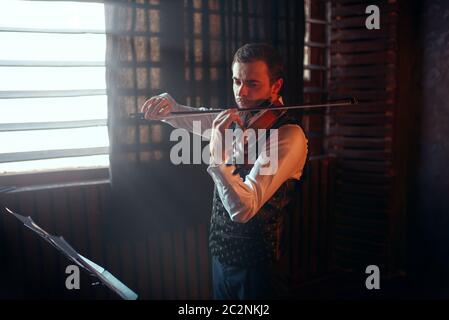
[264, 119]
[268, 113]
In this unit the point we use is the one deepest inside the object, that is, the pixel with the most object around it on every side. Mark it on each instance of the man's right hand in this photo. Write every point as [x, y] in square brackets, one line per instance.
[158, 107]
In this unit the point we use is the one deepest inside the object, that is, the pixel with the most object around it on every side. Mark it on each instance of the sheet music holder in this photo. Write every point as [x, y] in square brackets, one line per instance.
[66, 249]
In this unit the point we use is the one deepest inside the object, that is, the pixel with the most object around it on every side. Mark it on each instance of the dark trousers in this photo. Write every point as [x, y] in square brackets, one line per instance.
[242, 283]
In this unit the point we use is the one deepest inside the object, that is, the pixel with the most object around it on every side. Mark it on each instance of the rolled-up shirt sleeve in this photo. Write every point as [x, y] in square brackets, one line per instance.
[242, 198]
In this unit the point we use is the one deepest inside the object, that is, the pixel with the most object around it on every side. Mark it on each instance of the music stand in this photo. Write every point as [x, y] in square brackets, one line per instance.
[66, 249]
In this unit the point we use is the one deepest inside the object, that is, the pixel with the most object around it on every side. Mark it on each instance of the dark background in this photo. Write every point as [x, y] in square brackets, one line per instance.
[375, 190]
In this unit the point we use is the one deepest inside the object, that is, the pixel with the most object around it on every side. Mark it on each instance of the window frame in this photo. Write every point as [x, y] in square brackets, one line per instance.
[56, 175]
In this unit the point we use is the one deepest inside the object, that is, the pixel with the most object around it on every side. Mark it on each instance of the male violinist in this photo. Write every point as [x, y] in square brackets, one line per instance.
[248, 207]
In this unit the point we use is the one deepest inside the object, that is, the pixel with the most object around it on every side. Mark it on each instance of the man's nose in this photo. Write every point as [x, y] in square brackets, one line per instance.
[242, 91]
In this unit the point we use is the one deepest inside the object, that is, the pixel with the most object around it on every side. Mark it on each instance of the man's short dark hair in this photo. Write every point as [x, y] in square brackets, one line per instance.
[252, 52]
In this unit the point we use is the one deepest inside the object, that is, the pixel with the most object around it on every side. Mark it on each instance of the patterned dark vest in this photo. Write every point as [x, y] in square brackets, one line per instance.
[258, 240]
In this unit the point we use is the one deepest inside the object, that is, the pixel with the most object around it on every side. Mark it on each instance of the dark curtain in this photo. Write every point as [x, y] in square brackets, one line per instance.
[184, 48]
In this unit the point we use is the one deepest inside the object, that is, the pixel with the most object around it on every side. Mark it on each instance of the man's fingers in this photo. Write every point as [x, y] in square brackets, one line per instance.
[226, 123]
[158, 107]
[219, 120]
[220, 117]
[238, 119]
[224, 120]
[146, 105]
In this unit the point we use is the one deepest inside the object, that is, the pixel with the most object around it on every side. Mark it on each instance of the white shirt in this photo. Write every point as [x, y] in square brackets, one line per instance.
[242, 198]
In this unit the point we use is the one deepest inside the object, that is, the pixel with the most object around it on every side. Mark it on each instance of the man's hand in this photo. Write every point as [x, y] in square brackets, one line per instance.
[158, 107]
[222, 122]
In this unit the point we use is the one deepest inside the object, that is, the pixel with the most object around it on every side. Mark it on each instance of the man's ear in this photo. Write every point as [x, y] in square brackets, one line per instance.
[276, 87]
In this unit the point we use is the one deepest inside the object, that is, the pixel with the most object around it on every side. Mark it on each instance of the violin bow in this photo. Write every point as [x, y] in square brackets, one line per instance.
[330, 103]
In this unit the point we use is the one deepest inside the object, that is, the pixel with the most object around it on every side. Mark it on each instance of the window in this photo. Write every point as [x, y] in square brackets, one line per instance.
[316, 50]
[316, 71]
[53, 105]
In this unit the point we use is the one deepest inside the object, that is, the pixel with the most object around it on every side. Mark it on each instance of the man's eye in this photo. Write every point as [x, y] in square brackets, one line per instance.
[237, 82]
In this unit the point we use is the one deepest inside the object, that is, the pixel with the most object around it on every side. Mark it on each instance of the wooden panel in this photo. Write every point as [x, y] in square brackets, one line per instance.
[94, 220]
[181, 259]
[357, 22]
[309, 227]
[127, 260]
[365, 131]
[154, 267]
[365, 166]
[361, 71]
[365, 119]
[360, 211]
[314, 245]
[32, 245]
[385, 57]
[363, 34]
[349, 142]
[49, 257]
[367, 189]
[363, 65]
[192, 266]
[373, 215]
[362, 95]
[362, 154]
[204, 262]
[13, 263]
[364, 108]
[143, 283]
[355, 231]
[366, 83]
[373, 178]
[167, 265]
[340, 10]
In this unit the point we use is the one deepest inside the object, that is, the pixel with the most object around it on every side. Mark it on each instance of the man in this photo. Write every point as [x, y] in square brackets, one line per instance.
[248, 207]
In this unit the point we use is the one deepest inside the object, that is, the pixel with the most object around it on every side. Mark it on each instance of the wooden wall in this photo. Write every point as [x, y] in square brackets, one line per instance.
[166, 264]
[370, 224]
